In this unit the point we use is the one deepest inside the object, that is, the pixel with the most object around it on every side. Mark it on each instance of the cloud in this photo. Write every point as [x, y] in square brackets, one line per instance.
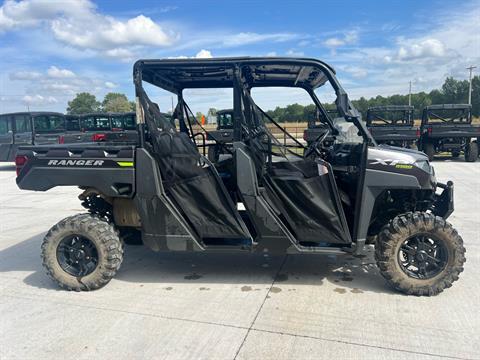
[246, 38]
[348, 38]
[57, 73]
[25, 75]
[420, 49]
[78, 24]
[356, 71]
[295, 53]
[56, 82]
[38, 100]
[106, 33]
[26, 13]
[203, 54]
[110, 85]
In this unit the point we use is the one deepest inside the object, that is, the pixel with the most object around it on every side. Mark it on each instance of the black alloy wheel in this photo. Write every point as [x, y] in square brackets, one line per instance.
[77, 255]
[423, 256]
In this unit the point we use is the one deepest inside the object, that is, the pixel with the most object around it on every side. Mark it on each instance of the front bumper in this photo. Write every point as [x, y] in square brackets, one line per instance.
[443, 203]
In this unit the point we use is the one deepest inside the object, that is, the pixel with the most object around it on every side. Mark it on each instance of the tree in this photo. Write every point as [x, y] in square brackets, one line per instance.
[83, 103]
[116, 102]
[133, 106]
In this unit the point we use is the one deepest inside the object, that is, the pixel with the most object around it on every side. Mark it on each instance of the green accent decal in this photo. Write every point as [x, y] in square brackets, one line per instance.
[404, 166]
[125, 163]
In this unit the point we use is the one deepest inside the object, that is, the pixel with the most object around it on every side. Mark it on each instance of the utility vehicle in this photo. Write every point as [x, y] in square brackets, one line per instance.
[101, 127]
[28, 128]
[449, 128]
[393, 125]
[265, 197]
[222, 136]
[318, 127]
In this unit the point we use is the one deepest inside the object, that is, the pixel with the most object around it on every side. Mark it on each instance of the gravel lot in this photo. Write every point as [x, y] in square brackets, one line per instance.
[213, 306]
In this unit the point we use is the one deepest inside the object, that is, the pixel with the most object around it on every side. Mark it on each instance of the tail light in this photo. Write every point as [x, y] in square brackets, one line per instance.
[429, 130]
[99, 137]
[417, 133]
[61, 139]
[20, 161]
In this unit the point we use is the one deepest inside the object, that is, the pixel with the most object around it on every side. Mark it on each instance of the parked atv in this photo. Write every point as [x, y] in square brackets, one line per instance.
[264, 198]
[393, 125]
[449, 128]
[222, 136]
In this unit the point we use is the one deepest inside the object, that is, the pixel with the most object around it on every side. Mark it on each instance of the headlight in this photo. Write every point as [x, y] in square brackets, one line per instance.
[425, 166]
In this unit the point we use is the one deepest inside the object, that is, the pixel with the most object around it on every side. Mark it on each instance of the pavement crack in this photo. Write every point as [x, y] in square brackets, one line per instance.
[261, 306]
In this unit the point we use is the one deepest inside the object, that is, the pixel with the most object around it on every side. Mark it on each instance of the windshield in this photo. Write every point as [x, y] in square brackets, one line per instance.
[93, 123]
[125, 122]
[348, 133]
[225, 120]
[49, 123]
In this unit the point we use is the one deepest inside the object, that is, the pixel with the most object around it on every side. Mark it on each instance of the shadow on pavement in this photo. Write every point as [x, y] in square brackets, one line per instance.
[7, 167]
[141, 265]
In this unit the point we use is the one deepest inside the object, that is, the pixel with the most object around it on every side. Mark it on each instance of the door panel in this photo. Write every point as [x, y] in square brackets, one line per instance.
[6, 137]
[22, 129]
[306, 195]
[48, 129]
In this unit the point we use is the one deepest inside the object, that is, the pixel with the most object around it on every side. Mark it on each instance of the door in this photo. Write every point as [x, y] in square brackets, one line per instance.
[6, 137]
[48, 128]
[22, 129]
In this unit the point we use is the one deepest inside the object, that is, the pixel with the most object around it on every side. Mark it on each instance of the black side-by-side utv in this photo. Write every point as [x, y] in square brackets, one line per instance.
[449, 128]
[393, 125]
[222, 136]
[265, 197]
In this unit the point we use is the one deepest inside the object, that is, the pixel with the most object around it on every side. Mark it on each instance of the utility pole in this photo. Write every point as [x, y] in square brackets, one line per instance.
[471, 67]
[410, 93]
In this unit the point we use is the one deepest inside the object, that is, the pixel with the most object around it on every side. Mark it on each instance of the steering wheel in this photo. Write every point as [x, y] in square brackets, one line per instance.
[313, 148]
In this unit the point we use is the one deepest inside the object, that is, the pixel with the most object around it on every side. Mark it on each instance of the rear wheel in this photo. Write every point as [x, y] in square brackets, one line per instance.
[471, 152]
[429, 150]
[419, 254]
[82, 252]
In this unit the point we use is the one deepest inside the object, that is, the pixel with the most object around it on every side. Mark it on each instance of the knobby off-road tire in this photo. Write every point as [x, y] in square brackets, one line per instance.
[213, 153]
[100, 240]
[407, 228]
[471, 152]
[429, 150]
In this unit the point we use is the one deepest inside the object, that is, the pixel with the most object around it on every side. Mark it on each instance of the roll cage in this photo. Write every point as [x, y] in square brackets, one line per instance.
[390, 115]
[242, 74]
[447, 113]
[298, 198]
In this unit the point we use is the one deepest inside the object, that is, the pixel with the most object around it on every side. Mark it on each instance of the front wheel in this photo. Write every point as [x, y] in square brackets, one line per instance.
[82, 252]
[429, 150]
[419, 254]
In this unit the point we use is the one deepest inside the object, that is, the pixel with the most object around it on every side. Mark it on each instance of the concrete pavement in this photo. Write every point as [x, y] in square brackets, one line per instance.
[214, 306]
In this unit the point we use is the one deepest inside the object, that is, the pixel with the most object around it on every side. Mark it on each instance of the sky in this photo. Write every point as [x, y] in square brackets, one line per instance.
[52, 49]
